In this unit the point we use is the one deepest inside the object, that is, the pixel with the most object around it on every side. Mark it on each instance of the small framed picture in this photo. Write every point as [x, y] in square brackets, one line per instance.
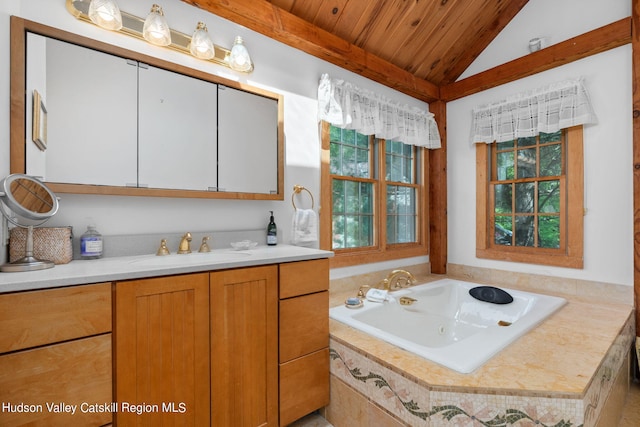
[39, 131]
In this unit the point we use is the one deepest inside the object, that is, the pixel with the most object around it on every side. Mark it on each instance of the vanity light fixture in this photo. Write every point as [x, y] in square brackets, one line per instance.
[105, 14]
[239, 60]
[201, 45]
[156, 29]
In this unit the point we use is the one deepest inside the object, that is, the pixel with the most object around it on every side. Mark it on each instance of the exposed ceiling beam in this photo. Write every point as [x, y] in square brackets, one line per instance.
[271, 21]
[596, 41]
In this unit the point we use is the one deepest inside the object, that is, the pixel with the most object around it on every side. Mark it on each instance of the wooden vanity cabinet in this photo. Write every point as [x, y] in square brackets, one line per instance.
[303, 338]
[55, 347]
[162, 350]
[241, 347]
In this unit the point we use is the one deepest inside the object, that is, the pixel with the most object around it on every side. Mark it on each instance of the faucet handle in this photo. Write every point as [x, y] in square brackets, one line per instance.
[163, 249]
[362, 292]
[204, 246]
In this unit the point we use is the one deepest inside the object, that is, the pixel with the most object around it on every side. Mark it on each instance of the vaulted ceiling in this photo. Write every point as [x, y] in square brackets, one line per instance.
[415, 46]
[435, 40]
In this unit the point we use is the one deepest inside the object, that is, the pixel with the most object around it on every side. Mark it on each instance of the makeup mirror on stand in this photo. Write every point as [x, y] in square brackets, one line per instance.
[33, 204]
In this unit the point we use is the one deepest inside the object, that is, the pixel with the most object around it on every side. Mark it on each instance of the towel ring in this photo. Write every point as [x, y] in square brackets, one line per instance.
[297, 189]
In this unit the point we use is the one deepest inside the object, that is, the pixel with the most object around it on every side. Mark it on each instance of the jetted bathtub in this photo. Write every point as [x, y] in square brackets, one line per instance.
[446, 325]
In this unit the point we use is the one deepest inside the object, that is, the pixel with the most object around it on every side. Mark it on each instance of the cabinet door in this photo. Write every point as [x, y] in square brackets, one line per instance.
[91, 114]
[244, 347]
[247, 142]
[162, 350]
[178, 137]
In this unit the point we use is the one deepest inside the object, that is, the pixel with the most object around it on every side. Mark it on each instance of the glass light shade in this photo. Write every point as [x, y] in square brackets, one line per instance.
[239, 58]
[156, 29]
[201, 45]
[105, 14]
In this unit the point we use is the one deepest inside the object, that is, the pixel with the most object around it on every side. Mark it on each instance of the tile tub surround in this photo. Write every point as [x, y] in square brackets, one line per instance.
[560, 372]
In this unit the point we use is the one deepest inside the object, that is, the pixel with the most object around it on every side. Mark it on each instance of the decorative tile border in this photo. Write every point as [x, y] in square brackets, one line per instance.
[603, 381]
[418, 405]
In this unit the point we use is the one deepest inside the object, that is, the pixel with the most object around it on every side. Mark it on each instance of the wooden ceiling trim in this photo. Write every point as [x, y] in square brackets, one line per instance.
[599, 40]
[273, 22]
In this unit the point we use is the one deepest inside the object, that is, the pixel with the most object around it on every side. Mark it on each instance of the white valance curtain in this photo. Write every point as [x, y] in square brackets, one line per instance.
[349, 107]
[548, 109]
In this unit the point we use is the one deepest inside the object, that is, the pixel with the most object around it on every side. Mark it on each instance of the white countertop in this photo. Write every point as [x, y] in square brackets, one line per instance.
[133, 267]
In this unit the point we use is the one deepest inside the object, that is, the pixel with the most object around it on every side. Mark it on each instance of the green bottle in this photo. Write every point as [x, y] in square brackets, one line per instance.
[272, 232]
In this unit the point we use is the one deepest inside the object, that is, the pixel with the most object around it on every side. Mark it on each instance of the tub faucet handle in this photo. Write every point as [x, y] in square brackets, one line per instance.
[362, 292]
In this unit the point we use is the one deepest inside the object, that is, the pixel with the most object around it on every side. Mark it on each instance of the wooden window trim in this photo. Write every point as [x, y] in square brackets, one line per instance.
[572, 256]
[381, 251]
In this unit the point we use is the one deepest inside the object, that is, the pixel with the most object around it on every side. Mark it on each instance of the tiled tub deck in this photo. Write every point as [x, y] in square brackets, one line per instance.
[572, 370]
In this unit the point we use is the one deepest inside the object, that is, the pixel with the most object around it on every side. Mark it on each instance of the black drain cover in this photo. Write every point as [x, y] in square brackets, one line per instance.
[491, 294]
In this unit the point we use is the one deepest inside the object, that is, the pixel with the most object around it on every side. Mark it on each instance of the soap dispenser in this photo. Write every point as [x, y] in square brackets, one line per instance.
[272, 232]
[91, 243]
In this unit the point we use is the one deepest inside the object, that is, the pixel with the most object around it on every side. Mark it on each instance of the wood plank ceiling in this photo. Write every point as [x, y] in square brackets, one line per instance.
[411, 45]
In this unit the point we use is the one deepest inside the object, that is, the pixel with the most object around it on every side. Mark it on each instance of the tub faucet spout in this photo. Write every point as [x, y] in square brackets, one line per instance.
[398, 279]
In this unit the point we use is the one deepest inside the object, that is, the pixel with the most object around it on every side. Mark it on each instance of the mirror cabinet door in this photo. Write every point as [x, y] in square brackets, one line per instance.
[91, 104]
[248, 135]
[177, 131]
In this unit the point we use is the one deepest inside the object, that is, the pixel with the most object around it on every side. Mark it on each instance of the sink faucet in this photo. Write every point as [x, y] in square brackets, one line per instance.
[397, 279]
[185, 244]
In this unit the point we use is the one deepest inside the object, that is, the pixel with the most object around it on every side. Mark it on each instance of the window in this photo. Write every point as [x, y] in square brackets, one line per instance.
[377, 197]
[530, 199]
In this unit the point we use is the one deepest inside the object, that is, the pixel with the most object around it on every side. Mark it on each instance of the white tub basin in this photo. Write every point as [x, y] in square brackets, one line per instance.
[447, 325]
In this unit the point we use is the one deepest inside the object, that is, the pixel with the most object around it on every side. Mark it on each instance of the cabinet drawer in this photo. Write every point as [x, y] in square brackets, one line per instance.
[304, 386]
[35, 318]
[304, 325]
[304, 277]
[73, 372]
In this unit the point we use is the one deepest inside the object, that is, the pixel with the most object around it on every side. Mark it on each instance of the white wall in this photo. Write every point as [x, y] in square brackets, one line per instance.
[608, 234]
[277, 68]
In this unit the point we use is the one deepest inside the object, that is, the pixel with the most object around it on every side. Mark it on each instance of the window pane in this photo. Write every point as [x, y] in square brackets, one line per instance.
[502, 231]
[352, 214]
[338, 232]
[550, 137]
[401, 214]
[503, 198]
[549, 196]
[527, 163]
[551, 160]
[399, 162]
[525, 142]
[525, 231]
[338, 196]
[549, 232]
[504, 145]
[505, 166]
[525, 193]
[349, 153]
